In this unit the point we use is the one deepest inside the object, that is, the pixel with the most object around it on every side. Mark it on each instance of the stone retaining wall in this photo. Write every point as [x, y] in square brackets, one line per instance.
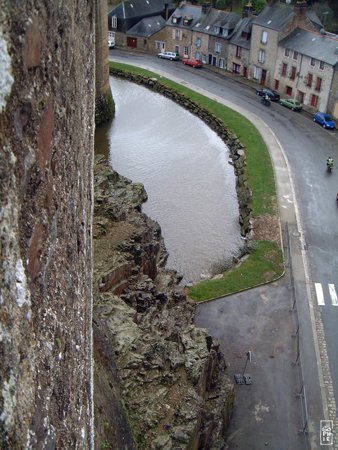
[237, 150]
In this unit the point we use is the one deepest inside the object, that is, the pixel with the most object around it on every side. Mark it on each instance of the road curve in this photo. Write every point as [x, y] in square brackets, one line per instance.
[315, 359]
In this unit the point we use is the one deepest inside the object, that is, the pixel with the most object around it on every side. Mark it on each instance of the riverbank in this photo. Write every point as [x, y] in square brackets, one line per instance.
[255, 188]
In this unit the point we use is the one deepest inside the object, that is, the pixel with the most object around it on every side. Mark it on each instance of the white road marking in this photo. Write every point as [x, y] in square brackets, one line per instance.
[333, 295]
[319, 293]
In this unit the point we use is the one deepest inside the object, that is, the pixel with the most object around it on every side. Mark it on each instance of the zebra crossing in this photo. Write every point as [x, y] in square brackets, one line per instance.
[330, 296]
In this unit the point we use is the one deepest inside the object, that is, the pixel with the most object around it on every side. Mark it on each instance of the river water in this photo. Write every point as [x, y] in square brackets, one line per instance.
[185, 171]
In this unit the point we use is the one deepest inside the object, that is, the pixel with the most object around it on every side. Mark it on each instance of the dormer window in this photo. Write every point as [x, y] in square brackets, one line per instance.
[225, 32]
[217, 30]
[176, 19]
[187, 20]
[245, 35]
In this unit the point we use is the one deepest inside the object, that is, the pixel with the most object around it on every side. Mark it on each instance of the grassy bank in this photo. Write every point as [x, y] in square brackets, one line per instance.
[265, 260]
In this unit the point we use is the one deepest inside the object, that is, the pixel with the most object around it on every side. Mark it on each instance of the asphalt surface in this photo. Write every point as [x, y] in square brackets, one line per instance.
[279, 324]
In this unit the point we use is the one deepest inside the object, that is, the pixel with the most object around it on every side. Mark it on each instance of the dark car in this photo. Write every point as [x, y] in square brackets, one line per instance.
[324, 120]
[273, 95]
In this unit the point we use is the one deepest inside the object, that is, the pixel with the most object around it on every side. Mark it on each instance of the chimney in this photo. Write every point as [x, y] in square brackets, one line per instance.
[206, 7]
[166, 11]
[300, 8]
[247, 10]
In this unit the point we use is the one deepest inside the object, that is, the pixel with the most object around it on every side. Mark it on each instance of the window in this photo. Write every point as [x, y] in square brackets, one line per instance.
[256, 73]
[198, 55]
[186, 51]
[293, 73]
[114, 22]
[276, 85]
[245, 35]
[313, 62]
[174, 19]
[198, 42]
[287, 52]
[295, 55]
[225, 32]
[309, 80]
[160, 45]
[178, 34]
[217, 47]
[144, 42]
[238, 51]
[284, 69]
[300, 96]
[318, 84]
[288, 90]
[236, 68]
[221, 63]
[216, 30]
[261, 56]
[314, 100]
[321, 65]
[264, 37]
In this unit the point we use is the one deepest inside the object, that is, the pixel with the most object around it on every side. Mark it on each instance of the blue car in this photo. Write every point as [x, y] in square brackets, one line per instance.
[324, 120]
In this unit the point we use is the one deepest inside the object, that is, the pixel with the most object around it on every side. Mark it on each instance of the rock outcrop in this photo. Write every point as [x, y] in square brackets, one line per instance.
[171, 374]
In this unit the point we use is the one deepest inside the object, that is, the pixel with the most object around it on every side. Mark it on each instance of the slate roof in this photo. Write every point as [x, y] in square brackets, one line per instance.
[278, 15]
[275, 16]
[323, 47]
[244, 25]
[216, 18]
[191, 11]
[138, 8]
[147, 27]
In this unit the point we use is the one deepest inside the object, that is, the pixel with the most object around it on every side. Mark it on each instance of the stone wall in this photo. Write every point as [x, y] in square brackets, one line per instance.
[104, 104]
[46, 142]
[237, 150]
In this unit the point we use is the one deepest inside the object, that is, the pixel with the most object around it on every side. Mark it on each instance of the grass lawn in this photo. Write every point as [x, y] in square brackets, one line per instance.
[265, 261]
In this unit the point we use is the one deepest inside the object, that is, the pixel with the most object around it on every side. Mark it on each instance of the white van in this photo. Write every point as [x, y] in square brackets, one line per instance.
[168, 55]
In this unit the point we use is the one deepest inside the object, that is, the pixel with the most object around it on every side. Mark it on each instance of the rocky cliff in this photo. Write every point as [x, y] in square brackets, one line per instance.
[171, 375]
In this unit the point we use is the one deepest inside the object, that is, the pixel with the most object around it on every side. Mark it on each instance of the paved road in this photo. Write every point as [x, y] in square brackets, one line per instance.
[312, 231]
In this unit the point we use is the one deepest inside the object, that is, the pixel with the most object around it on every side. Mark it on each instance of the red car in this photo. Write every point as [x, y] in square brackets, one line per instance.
[192, 62]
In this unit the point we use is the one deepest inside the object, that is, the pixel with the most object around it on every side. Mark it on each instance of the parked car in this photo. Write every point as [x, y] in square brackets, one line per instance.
[168, 55]
[291, 103]
[273, 95]
[193, 62]
[111, 44]
[324, 120]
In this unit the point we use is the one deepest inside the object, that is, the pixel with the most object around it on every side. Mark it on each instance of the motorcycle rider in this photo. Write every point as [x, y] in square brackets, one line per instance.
[329, 162]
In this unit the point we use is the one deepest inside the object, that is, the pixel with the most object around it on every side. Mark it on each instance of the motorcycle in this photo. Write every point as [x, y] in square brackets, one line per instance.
[265, 101]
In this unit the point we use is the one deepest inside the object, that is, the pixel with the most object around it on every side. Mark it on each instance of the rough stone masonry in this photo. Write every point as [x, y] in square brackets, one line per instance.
[46, 139]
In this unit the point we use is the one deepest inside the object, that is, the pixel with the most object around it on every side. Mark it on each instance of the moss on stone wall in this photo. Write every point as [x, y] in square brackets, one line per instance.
[104, 108]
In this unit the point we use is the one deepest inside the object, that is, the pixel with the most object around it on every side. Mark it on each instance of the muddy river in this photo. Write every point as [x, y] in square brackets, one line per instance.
[184, 168]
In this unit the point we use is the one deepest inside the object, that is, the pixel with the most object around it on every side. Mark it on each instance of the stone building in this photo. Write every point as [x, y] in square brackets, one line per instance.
[238, 60]
[128, 13]
[306, 67]
[274, 23]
